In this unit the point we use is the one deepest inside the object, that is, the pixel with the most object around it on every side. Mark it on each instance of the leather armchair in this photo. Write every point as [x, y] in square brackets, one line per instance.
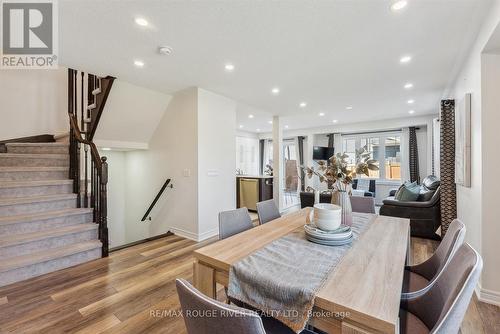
[424, 213]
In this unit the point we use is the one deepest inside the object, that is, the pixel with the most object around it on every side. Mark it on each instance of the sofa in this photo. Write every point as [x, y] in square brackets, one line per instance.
[424, 213]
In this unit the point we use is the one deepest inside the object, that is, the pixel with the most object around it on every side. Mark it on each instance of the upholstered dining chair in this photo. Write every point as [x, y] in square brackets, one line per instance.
[441, 309]
[203, 315]
[267, 211]
[363, 204]
[420, 277]
[233, 222]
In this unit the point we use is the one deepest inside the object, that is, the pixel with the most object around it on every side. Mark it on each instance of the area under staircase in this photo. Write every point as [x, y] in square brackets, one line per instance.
[53, 196]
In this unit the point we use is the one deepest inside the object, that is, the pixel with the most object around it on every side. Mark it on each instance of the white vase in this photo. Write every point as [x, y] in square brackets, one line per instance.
[316, 196]
[342, 198]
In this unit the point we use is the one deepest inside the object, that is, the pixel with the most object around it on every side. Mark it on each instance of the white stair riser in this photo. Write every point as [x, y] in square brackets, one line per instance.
[36, 190]
[44, 244]
[38, 269]
[35, 176]
[45, 224]
[22, 161]
[38, 149]
[25, 208]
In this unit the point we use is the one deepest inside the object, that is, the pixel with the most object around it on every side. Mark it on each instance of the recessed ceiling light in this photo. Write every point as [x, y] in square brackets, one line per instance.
[270, 122]
[229, 67]
[335, 121]
[411, 112]
[398, 5]
[411, 101]
[275, 90]
[409, 85]
[139, 63]
[241, 126]
[348, 108]
[286, 126]
[303, 104]
[141, 21]
[106, 149]
[250, 116]
[405, 59]
[321, 114]
[258, 130]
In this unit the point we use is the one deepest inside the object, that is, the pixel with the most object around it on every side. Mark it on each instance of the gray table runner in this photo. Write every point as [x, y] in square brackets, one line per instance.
[282, 278]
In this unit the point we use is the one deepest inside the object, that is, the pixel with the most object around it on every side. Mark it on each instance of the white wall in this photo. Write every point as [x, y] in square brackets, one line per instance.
[216, 163]
[474, 209]
[34, 102]
[130, 116]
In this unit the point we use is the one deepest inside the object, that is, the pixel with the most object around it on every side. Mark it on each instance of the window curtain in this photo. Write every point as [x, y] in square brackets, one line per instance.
[405, 154]
[267, 156]
[331, 139]
[261, 156]
[337, 142]
[414, 168]
[447, 165]
[300, 155]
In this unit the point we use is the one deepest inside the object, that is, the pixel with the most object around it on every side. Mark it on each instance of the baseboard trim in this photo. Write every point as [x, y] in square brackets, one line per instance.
[194, 236]
[138, 242]
[488, 296]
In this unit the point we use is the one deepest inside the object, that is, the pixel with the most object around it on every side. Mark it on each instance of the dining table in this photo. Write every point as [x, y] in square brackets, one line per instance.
[360, 295]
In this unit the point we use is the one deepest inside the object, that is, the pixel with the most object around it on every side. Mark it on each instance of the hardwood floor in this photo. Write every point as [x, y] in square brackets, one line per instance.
[133, 291]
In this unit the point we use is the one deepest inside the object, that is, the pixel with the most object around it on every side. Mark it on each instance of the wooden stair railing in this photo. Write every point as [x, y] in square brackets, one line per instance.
[84, 115]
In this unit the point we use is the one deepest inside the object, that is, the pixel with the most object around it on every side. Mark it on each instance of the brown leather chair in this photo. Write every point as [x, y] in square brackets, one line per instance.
[424, 213]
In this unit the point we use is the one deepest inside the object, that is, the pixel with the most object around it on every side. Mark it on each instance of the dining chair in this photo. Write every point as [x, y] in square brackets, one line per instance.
[363, 204]
[233, 222]
[441, 309]
[267, 211]
[420, 277]
[204, 315]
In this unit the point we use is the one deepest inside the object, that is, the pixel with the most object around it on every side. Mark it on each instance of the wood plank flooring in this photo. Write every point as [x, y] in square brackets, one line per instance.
[133, 291]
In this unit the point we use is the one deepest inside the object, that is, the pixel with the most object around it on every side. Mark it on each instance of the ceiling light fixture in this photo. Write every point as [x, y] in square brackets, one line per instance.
[139, 63]
[321, 114]
[411, 101]
[335, 121]
[398, 5]
[141, 22]
[250, 116]
[348, 108]
[303, 104]
[270, 122]
[241, 126]
[165, 50]
[408, 85]
[275, 91]
[411, 112]
[286, 126]
[258, 130]
[229, 67]
[405, 59]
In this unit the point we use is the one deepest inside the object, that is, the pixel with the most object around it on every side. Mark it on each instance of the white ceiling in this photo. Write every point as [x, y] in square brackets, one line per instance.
[331, 54]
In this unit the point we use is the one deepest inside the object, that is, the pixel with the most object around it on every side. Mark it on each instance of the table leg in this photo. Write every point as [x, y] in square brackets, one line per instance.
[348, 328]
[408, 251]
[204, 279]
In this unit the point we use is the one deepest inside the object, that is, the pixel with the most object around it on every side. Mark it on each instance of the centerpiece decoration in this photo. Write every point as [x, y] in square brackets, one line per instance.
[338, 174]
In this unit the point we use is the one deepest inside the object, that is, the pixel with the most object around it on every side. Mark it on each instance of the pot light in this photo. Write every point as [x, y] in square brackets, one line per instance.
[139, 63]
[250, 116]
[335, 121]
[141, 22]
[411, 112]
[258, 130]
[405, 59]
[106, 149]
[321, 114]
[270, 122]
[398, 5]
[411, 101]
[286, 126]
[229, 67]
[348, 108]
[241, 126]
[408, 85]
[275, 90]
[303, 104]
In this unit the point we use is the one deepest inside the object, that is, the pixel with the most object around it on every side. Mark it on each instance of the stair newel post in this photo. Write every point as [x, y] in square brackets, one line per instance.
[77, 176]
[103, 208]
[82, 120]
[86, 180]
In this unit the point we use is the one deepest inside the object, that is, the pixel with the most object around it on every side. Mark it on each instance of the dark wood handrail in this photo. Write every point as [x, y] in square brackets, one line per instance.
[86, 111]
[165, 185]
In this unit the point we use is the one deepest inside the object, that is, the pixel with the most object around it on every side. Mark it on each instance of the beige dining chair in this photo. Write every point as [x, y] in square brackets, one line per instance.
[363, 204]
[441, 309]
[267, 211]
[233, 222]
[420, 277]
[203, 315]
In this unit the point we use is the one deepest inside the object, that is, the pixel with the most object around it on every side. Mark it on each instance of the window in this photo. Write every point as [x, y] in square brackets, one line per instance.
[383, 147]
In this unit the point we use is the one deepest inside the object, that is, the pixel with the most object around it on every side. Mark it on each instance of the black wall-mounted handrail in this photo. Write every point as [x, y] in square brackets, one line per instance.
[165, 185]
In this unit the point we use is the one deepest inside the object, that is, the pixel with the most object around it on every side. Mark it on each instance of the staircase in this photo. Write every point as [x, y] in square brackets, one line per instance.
[41, 227]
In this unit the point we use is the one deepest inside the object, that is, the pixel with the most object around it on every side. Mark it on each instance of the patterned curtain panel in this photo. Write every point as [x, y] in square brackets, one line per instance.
[414, 171]
[447, 164]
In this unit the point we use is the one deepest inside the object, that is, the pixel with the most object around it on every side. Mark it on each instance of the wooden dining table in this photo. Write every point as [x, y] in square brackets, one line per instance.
[362, 293]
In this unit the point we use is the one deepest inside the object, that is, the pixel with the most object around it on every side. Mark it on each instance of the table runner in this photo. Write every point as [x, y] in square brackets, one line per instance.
[282, 278]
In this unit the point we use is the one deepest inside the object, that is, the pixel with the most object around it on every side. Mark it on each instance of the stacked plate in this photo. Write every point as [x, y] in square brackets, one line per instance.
[341, 236]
